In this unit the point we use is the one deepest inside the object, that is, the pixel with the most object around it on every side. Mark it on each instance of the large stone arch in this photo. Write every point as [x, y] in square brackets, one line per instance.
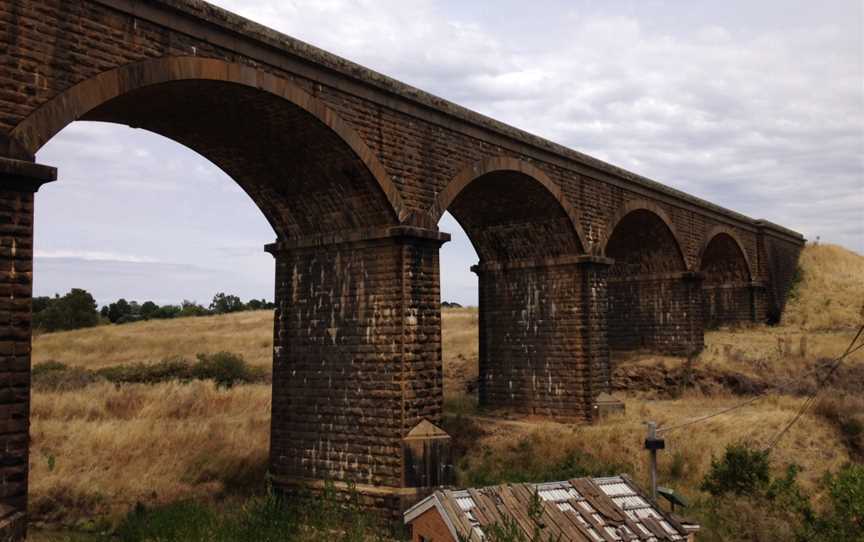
[728, 293]
[513, 183]
[641, 206]
[655, 301]
[713, 235]
[537, 289]
[94, 98]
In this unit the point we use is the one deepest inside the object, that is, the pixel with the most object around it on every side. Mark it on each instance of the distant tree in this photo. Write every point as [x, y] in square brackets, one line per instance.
[259, 304]
[118, 310]
[104, 312]
[167, 311]
[40, 304]
[149, 309]
[191, 308]
[74, 310]
[224, 303]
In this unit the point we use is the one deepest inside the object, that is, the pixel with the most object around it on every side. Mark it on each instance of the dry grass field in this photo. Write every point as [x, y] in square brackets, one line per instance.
[99, 450]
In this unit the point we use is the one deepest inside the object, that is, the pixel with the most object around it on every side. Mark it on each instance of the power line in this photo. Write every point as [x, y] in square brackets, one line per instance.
[812, 397]
[835, 365]
[709, 416]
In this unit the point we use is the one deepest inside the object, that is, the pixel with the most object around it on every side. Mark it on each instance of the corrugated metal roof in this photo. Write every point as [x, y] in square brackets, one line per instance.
[585, 510]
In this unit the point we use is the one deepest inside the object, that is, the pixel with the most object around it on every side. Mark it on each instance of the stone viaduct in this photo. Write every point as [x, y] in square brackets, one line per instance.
[353, 170]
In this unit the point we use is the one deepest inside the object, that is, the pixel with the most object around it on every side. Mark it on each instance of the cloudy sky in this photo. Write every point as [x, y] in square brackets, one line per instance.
[756, 106]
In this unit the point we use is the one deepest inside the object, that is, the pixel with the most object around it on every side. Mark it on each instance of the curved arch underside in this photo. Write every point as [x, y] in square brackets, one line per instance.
[723, 262]
[508, 215]
[300, 173]
[643, 244]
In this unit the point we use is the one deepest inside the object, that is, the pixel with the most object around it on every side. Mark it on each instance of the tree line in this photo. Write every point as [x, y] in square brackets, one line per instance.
[78, 309]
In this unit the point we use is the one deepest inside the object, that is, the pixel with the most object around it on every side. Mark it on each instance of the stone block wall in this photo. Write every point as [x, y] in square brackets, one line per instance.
[727, 304]
[18, 183]
[779, 250]
[662, 313]
[542, 336]
[357, 355]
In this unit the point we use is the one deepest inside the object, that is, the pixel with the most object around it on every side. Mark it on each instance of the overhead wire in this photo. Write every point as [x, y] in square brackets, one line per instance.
[812, 397]
[835, 364]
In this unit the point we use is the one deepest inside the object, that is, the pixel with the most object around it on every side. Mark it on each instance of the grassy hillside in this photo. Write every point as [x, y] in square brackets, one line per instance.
[830, 294]
[101, 449]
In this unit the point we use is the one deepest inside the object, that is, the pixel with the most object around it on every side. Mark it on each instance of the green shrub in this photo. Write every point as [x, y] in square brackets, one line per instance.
[327, 517]
[143, 373]
[177, 521]
[843, 517]
[741, 471]
[55, 376]
[226, 369]
[47, 366]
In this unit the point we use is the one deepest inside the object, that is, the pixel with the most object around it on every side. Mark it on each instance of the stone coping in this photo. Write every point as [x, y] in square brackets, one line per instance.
[371, 234]
[674, 275]
[24, 176]
[581, 259]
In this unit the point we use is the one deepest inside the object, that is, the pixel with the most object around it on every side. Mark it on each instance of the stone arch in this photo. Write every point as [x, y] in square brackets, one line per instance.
[85, 100]
[717, 234]
[653, 213]
[497, 172]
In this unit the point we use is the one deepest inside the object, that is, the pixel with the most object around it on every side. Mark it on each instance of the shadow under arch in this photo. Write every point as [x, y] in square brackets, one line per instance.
[653, 213]
[718, 234]
[233, 115]
[521, 194]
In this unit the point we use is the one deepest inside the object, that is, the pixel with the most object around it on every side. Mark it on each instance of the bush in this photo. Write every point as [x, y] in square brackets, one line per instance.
[843, 518]
[262, 519]
[141, 373]
[56, 376]
[226, 369]
[741, 471]
[530, 460]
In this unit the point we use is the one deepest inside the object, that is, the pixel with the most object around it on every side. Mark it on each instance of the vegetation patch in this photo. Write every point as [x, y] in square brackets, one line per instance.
[224, 368]
[748, 503]
[537, 457]
[264, 518]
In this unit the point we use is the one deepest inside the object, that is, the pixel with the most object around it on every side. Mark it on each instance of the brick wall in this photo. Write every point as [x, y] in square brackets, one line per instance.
[357, 356]
[662, 313]
[542, 337]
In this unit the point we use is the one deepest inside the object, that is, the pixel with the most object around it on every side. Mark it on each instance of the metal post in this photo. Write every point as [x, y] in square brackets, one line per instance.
[652, 444]
[652, 436]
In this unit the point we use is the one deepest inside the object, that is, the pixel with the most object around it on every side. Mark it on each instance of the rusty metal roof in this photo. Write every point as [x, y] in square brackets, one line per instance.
[610, 509]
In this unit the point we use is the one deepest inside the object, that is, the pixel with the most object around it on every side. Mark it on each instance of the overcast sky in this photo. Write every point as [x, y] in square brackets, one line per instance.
[756, 106]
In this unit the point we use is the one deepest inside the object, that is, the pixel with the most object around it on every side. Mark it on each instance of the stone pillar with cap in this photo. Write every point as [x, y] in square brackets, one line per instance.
[356, 360]
[19, 181]
[543, 347]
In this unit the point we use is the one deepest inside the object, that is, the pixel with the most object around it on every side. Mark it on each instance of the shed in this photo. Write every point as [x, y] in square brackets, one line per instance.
[609, 509]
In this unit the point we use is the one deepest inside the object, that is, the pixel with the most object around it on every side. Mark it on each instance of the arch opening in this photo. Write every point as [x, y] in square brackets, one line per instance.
[275, 140]
[650, 293]
[529, 288]
[727, 293]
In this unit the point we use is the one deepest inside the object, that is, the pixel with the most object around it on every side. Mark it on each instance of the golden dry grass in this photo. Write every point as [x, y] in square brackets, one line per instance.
[811, 443]
[99, 450]
[831, 293]
[246, 333]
